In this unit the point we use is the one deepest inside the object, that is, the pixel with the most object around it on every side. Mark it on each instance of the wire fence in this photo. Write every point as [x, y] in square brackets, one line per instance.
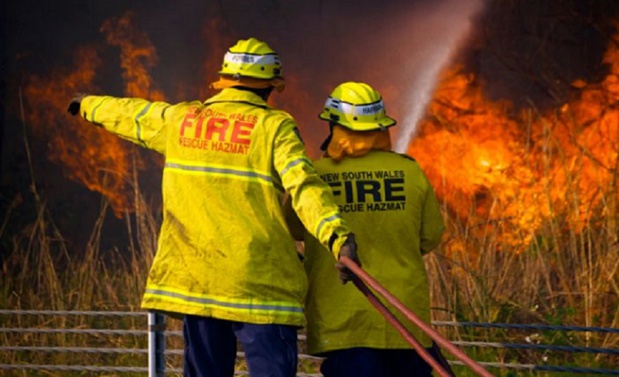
[139, 343]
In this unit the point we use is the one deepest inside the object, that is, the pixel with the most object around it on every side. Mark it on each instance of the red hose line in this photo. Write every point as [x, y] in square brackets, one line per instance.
[438, 338]
[393, 320]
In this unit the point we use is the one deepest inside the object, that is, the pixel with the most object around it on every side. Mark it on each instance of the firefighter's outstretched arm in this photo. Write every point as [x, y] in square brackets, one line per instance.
[135, 119]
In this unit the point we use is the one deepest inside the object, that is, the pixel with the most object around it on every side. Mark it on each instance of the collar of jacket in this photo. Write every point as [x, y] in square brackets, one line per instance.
[237, 95]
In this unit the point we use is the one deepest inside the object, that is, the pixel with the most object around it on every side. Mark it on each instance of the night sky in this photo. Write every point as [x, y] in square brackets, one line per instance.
[524, 51]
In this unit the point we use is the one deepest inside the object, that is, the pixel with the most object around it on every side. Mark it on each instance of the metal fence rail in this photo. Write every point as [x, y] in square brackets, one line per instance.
[157, 351]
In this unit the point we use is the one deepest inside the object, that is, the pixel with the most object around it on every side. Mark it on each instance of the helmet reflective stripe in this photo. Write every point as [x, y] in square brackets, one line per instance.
[236, 58]
[351, 109]
[333, 103]
[370, 108]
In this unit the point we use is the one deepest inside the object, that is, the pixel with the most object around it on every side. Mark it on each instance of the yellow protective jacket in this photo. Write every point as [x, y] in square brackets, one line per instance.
[224, 249]
[391, 208]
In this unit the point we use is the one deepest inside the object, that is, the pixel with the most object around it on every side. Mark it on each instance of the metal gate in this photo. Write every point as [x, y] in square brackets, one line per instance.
[140, 343]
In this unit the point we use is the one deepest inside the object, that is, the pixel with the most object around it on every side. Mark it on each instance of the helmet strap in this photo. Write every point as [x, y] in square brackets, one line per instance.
[325, 144]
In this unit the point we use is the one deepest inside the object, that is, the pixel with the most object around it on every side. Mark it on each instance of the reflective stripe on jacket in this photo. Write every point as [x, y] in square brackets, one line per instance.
[393, 212]
[224, 249]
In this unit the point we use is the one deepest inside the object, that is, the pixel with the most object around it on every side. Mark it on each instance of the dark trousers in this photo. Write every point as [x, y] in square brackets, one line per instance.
[210, 348]
[371, 362]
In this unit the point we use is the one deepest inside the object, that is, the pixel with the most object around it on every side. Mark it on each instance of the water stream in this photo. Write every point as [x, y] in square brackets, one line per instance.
[453, 22]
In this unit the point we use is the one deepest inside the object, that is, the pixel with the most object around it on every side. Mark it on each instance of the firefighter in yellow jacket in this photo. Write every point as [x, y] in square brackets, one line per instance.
[225, 257]
[393, 211]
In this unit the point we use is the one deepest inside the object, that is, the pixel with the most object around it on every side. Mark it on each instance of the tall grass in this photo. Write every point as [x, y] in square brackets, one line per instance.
[562, 279]
[40, 273]
[567, 275]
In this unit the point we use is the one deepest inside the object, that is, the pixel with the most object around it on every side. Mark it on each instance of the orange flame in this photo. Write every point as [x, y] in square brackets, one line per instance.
[88, 155]
[516, 171]
[97, 159]
[137, 55]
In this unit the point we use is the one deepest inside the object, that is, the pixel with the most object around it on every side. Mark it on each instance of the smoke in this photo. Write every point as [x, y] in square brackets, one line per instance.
[444, 29]
[399, 49]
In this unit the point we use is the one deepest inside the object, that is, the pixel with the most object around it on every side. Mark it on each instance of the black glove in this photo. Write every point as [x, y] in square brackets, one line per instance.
[349, 249]
[75, 103]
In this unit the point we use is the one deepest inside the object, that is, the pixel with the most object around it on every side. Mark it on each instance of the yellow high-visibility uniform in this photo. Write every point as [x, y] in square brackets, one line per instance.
[391, 208]
[224, 249]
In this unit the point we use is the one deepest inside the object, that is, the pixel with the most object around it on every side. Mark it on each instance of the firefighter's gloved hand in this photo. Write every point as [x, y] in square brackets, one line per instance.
[75, 103]
[349, 249]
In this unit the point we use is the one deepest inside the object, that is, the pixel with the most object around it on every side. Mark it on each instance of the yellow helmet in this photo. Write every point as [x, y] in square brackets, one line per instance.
[358, 107]
[251, 58]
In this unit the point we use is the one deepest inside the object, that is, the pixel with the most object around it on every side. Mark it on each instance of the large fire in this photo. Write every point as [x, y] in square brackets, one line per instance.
[488, 164]
[516, 171]
[97, 159]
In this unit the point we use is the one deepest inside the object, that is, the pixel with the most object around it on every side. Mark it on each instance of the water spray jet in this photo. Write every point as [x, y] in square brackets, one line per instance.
[454, 19]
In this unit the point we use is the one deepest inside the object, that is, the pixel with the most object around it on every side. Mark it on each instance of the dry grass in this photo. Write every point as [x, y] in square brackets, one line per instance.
[563, 278]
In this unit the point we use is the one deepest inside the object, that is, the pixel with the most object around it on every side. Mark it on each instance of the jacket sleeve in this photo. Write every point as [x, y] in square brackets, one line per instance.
[311, 198]
[432, 224]
[135, 119]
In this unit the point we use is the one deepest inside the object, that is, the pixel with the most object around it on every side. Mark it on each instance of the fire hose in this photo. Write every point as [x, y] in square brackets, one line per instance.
[363, 278]
[392, 319]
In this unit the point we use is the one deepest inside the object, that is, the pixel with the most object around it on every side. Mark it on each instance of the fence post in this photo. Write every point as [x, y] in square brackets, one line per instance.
[156, 345]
